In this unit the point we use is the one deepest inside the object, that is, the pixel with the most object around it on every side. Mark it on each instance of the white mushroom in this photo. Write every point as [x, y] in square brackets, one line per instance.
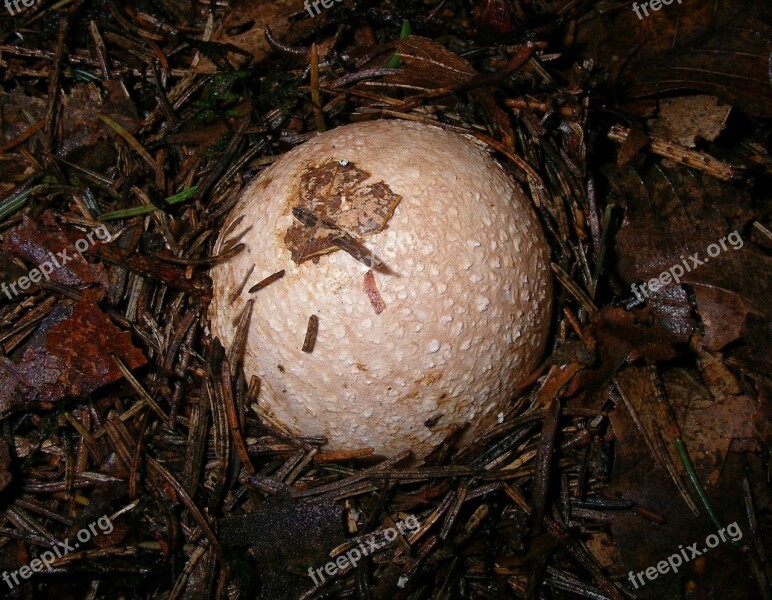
[441, 334]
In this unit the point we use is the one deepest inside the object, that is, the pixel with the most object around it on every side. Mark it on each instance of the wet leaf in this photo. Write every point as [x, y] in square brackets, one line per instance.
[675, 219]
[722, 49]
[709, 425]
[46, 242]
[83, 136]
[69, 355]
[243, 29]
[620, 337]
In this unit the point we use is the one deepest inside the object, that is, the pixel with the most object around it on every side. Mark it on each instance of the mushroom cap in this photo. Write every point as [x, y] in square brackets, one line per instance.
[467, 293]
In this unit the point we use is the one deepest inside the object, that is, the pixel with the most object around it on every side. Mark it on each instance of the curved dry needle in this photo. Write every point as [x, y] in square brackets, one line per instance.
[345, 241]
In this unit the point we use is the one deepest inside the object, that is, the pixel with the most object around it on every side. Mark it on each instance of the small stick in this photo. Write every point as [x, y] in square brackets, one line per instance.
[346, 242]
[316, 98]
[373, 294]
[313, 329]
[266, 282]
[686, 156]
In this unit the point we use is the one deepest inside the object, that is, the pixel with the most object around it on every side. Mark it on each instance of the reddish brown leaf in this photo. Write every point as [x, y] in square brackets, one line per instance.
[428, 65]
[674, 215]
[36, 245]
[69, 355]
[621, 337]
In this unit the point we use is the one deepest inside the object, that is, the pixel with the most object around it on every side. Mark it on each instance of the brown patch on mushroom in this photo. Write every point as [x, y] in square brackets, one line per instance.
[335, 192]
[373, 294]
[429, 379]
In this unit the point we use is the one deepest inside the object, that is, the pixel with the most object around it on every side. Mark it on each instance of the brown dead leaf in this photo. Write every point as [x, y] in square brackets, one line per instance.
[621, 337]
[282, 538]
[643, 544]
[676, 221]
[429, 65]
[684, 119]
[722, 49]
[244, 29]
[78, 120]
[708, 425]
[45, 242]
[335, 192]
[69, 355]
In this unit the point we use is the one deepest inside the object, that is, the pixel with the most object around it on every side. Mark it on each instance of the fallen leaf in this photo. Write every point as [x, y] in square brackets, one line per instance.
[336, 192]
[46, 242]
[69, 355]
[708, 427]
[676, 220]
[684, 119]
[426, 64]
[244, 29]
[722, 49]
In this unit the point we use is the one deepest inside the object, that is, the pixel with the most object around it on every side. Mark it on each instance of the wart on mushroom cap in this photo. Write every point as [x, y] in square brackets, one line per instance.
[441, 338]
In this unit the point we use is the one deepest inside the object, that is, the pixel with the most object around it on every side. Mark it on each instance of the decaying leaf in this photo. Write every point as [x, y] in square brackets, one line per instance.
[70, 355]
[45, 242]
[684, 119]
[675, 219]
[243, 29]
[429, 65]
[621, 337]
[708, 420]
[336, 193]
[721, 49]
[83, 135]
